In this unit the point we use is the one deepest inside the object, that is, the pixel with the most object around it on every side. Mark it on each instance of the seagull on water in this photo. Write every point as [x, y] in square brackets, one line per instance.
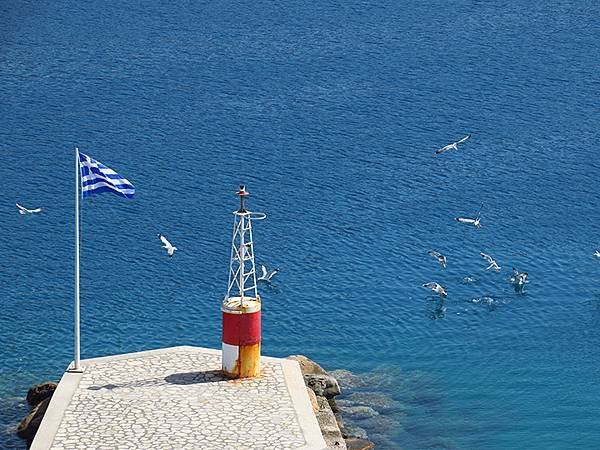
[437, 255]
[453, 146]
[266, 274]
[492, 262]
[437, 288]
[519, 278]
[23, 210]
[476, 222]
[167, 245]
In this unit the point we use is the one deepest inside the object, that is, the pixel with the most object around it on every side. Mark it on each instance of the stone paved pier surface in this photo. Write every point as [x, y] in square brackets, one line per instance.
[176, 398]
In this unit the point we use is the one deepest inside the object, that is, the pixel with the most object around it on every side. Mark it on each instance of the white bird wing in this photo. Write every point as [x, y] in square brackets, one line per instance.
[443, 149]
[488, 258]
[434, 253]
[264, 272]
[23, 210]
[465, 220]
[36, 210]
[165, 241]
[463, 139]
[494, 265]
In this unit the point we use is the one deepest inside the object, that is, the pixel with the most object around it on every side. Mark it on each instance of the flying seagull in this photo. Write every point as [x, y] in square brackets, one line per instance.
[453, 146]
[476, 221]
[437, 288]
[441, 258]
[23, 210]
[167, 245]
[492, 262]
[266, 275]
[597, 253]
[519, 278]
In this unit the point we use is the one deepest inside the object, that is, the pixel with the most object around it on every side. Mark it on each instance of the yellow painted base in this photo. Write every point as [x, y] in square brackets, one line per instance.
[247, 364]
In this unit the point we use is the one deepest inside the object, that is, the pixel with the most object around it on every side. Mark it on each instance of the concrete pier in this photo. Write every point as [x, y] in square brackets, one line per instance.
[177, 398]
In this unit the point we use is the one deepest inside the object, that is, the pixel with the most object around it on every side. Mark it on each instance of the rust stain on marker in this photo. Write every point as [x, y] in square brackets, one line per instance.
[249, 360]
[247, 364]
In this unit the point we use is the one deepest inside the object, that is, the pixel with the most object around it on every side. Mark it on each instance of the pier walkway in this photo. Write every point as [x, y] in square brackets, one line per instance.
[176, 398]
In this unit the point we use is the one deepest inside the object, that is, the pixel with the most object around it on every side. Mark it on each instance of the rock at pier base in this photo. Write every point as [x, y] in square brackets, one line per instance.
[40, 392]
[313, 399]
[322, 388]
[359, 444]
[38, 396]
[323, 385]
[30, 424]
[316, 378]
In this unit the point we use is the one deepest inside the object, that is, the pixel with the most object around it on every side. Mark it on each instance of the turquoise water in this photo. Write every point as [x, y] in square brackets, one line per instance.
[330, 113]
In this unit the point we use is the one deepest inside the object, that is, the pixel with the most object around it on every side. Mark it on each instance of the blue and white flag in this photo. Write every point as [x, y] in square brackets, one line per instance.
[97, 178]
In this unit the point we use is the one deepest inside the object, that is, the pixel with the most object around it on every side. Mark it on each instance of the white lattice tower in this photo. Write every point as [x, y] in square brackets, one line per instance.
[242, 269]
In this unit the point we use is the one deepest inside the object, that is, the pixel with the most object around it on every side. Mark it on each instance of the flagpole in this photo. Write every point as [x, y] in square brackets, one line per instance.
[76, 359]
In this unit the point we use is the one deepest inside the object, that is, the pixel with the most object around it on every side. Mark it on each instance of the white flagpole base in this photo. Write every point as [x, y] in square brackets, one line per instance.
[72, 368]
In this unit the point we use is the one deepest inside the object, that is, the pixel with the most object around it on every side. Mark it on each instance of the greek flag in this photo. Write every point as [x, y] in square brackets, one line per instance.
[97, 178]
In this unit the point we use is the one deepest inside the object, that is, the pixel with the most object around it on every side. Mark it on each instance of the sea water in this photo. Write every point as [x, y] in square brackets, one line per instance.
[330, 113]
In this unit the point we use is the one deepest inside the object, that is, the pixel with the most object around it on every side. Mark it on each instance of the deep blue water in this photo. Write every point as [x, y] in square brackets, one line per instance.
[330, 112]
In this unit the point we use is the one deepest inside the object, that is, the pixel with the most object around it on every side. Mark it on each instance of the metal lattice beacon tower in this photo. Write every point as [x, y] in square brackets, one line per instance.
[241, 305]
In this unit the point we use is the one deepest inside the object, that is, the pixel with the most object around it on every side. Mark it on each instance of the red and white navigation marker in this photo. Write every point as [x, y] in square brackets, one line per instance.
[241, 306]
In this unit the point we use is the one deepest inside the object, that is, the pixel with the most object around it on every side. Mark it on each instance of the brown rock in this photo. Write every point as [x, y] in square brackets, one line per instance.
[323, 385]
[317, 378]
[307, 365]
[40, 391]
[313, 399]
[30, 424]
[359, 444]
[334, 406]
